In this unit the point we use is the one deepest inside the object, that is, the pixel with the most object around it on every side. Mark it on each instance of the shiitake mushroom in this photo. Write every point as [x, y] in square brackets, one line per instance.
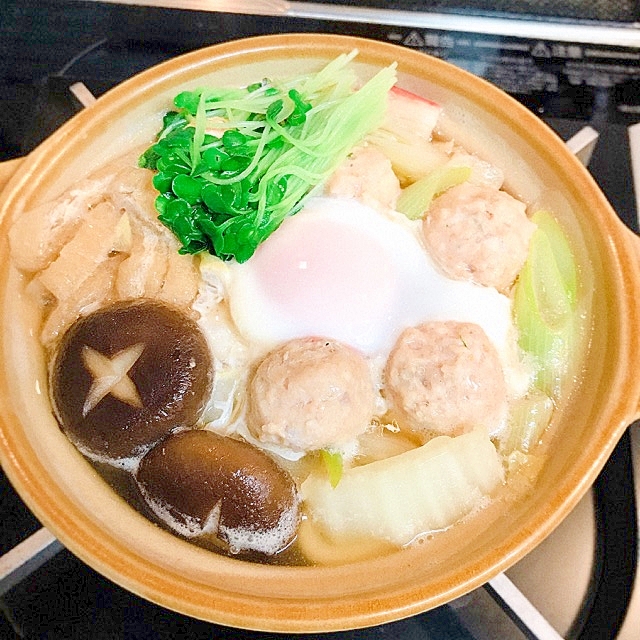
[128, 374]
[198, 482]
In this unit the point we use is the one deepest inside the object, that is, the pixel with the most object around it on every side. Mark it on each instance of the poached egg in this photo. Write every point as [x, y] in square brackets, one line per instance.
[343, 270]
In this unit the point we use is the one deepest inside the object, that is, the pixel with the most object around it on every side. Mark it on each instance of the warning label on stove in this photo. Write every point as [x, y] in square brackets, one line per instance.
[556, 79]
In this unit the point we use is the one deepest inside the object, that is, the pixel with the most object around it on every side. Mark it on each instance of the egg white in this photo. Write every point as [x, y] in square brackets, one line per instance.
[343, 270]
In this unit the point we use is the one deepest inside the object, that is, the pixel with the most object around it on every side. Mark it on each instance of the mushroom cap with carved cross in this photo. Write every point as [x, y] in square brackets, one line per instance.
[126, 375]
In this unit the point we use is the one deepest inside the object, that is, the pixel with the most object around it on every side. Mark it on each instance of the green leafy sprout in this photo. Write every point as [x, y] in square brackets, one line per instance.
[231, 163]
[333, 464]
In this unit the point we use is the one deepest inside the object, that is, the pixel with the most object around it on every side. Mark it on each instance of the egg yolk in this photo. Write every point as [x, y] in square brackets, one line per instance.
[326, 277]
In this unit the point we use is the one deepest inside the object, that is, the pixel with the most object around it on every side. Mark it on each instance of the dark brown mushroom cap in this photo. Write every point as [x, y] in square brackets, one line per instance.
[166, 380]
[200, 478]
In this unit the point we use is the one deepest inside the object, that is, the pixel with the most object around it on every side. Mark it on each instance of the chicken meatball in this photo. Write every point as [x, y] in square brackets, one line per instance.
[309, 394]
[445, 378]
[478, 233]
[366, 175]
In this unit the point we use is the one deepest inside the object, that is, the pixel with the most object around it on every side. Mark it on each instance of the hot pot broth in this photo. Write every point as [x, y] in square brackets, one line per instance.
[330, 473]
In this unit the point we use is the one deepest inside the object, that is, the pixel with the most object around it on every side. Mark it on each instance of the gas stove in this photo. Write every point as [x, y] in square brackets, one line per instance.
[576, 68]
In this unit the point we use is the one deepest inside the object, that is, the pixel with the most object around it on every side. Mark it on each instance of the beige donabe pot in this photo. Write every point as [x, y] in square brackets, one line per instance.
[79, 508]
